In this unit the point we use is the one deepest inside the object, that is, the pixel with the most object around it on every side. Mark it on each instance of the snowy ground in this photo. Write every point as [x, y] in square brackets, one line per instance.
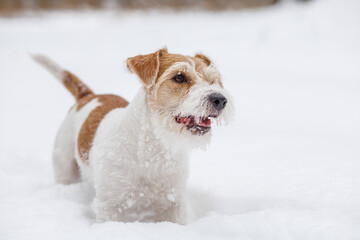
[288, 167]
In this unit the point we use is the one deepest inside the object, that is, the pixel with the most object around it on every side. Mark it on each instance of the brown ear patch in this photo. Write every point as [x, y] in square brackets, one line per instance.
[146, 66]
[89, 127]
[204, 58]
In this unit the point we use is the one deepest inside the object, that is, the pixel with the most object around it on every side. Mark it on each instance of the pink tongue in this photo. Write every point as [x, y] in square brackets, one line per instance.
[185, 120]
[205, 123]
[182, 119]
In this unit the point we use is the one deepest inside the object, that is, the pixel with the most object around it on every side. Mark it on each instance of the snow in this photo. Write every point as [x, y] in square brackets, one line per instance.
[287, 168]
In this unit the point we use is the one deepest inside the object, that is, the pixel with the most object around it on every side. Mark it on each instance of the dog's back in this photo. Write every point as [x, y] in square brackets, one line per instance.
[76, 134]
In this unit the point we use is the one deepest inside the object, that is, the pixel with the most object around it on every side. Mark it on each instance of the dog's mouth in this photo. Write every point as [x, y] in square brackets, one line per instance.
[196, 125]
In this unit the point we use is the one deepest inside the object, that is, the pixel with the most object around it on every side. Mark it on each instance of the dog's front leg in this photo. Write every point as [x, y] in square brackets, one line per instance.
[107, 209]
[178, 214]
[174, 212]
[112, 194]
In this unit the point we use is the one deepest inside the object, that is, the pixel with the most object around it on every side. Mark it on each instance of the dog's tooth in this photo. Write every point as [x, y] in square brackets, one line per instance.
[196, 120]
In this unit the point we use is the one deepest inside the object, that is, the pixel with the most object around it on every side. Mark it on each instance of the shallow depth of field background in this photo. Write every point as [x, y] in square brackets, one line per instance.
[287, 168]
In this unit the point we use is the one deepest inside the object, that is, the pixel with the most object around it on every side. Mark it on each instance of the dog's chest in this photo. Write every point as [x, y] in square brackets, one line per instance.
[158, 179]
[134, 170]
[155, 185]
[158, 168]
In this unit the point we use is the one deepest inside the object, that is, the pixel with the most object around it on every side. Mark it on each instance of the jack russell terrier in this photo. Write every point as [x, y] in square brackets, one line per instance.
[136, 154]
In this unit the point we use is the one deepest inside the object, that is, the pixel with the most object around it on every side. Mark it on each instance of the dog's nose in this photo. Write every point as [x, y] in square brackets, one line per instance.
[218, 100]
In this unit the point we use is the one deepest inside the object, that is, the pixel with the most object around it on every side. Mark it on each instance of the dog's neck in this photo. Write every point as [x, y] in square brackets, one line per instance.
[151, 138]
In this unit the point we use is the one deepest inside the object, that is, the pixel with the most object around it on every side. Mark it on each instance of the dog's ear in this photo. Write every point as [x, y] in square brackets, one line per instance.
[204, 58]
[146, 66]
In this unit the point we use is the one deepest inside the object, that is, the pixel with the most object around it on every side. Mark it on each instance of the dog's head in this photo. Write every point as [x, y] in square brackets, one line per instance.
[185, 94]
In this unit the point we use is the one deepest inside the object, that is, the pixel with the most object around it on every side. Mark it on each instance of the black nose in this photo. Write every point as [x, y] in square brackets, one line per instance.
[218, 100]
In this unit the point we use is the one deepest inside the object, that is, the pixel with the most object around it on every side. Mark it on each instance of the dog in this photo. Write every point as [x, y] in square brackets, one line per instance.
[136, 154]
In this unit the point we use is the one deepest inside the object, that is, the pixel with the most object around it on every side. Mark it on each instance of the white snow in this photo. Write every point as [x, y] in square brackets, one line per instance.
[287, 168]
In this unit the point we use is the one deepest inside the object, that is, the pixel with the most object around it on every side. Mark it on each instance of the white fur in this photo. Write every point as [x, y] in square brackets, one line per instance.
[65, 151]
[196, 101]
[50, 65]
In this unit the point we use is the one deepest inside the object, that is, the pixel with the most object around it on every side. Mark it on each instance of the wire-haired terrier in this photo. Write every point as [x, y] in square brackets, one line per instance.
[136, 154]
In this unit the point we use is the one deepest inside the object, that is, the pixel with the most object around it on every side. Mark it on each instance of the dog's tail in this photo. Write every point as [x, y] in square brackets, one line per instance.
[77, 88]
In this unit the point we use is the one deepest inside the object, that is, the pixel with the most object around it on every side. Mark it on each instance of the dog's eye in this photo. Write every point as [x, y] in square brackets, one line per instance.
[180, 78]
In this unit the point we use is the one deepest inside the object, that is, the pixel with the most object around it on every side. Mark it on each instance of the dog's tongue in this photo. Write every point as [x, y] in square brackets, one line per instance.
[185, 120]
[205, 122]
[202, 122]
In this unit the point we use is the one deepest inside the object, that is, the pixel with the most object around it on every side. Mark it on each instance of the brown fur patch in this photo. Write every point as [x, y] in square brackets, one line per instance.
[170, 92]
[146, 66]
[83, 101]
[167, 60]
[201, 63]
[150, 67]
[204, 58]
[77, 88]
[89, 127]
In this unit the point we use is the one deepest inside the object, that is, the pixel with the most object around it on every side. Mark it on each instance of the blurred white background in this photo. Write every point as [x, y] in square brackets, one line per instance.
[287, 168]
